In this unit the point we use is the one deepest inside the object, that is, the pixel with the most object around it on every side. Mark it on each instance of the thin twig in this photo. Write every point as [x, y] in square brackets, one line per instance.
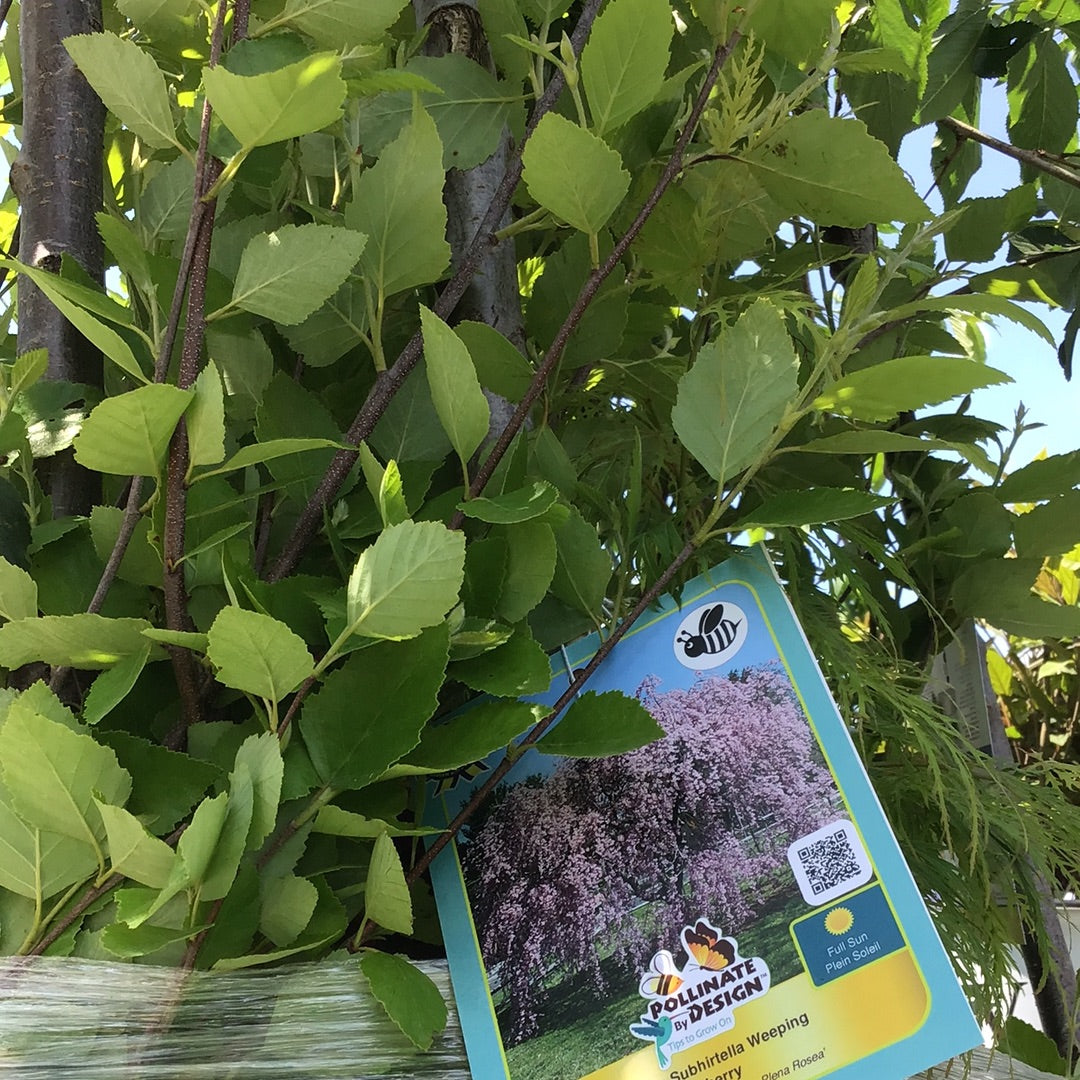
[1037, 159]
[390, 382]
[597, 278]
[581, 677]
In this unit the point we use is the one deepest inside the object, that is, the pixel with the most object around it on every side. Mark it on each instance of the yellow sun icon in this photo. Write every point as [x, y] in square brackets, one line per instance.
[839, 921]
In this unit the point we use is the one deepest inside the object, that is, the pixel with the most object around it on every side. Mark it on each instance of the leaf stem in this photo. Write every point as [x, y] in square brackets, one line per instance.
[390, 381]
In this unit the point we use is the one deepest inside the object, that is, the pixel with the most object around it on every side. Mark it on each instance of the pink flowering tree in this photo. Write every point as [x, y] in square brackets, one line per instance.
[588, 871]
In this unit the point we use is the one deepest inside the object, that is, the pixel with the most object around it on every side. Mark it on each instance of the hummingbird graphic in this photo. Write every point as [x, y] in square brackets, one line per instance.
[657, 1030]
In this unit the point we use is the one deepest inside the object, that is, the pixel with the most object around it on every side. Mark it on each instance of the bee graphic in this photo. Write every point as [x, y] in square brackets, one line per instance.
[715, 633]
[664, 979]
[708, 949]
[444, 781]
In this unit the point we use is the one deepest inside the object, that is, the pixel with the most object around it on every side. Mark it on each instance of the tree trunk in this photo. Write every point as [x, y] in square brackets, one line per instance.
[58, 180]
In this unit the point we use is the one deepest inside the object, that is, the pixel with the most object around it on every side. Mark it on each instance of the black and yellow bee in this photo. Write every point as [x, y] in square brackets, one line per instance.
[664, 979]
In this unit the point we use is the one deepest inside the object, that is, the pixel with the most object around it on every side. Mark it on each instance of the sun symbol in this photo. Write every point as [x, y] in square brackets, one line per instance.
[839, 921]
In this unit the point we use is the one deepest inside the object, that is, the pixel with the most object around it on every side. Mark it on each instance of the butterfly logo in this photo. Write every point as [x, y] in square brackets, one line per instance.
[707, 948]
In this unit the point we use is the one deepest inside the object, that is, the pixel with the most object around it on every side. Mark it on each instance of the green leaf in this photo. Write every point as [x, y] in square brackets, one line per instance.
[390, 496]
[574, 173]
[129, 83]
[129, 434]
[288, 274]
[53, 774]
[999, 591]
[521, 505]
[288, 903]
[810, 507]
[1052, 528]
[455, 391]
[599, 725]
[257, 453]
[736, 394]
[909, 382]
[832, 170]
[473, 734]
[794, 29]
[113, 685]
[334, 330]
[530, 565]
[978, 304]
[369, 712]
[82, 641]
[133, 851]
[277, 105]
[582, 568]
[205, 419]
[128, 942]
[165, 784]
[624, 60]
[141, 563]
[260, 755]
[871, 442]
[410, 998]
[334, 821]
[257, 654]
[1030, 1046]
[950, 68]
[1042, 98]
[71, 300]
[165, 208]
[186, 639]
[1042, 479]
[517, 668]
[38, 864]
[18, 592]
[499, 366]
[470, 107]
[386, 895]
[398, 205]
[159, 18]
[343, 23]
[406, 581]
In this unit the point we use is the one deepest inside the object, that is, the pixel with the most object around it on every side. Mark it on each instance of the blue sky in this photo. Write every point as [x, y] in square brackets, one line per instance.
[1032, 362]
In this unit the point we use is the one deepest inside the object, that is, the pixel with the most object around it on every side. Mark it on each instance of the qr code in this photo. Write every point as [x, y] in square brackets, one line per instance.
[829, 863]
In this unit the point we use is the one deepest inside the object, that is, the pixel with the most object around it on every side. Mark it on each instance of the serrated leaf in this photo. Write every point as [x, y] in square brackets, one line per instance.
[1027, 1044]
[113, 685]
[386, 895]
[455, 391]
[514, 669]
[810, 507]
[82, 641]
[257, 654]
[473, 734]
[61, 292]
[599, 725]
[128, 82]
[833, 170]
[406, 581]
[398, 205]
[977, 304]
[129, 434]
[288, 274]
[335, 329]
[205, 419]
[499, 365]
[277, 105]
[582, 567]
[574, 173]
[1042, 98]
[141, 563]
[734, 397]
[1052, 528]
[52, 775]
[18, 592]
[128, 942]
[257, 453]
[908, 382]
[872, 442]
[794, 29]
[288, 903]
[410, 998]
[37, 864]
[133, 851]
[530, 565]
[261, 756]
[1042, 479]
[624, 60]
[334, 821]
[369, 712]
[515, 506]
[343, 23]
[999, 591]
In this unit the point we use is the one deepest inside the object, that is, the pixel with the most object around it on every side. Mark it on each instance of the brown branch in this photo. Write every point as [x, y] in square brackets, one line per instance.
[390, 382]
[1037, 159]
[597, 278]
[580, 678]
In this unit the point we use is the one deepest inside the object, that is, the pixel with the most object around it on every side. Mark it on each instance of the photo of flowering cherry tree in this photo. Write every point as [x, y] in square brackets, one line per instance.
[576, 878]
